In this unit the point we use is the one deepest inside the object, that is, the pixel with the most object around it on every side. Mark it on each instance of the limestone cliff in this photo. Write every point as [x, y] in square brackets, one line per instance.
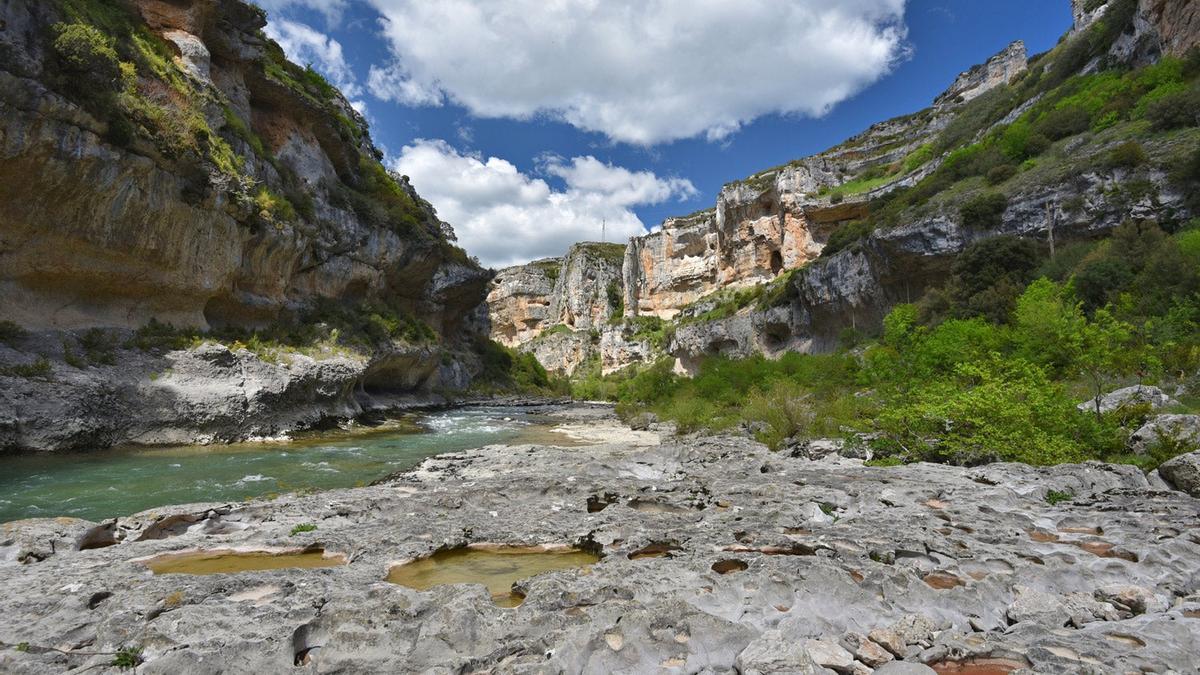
[205, 181]
[162, 163]
[754, 274]
[778, 220]
[555, 307]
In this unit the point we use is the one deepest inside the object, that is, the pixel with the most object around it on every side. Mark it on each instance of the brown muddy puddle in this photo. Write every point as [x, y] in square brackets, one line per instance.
[979, 666]
[496, 567]
[234, 562]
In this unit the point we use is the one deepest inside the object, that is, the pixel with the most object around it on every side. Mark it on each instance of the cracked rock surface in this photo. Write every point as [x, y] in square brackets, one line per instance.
[718, 557]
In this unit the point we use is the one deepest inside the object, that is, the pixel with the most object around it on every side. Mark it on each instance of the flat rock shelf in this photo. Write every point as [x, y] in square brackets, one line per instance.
[715, 555]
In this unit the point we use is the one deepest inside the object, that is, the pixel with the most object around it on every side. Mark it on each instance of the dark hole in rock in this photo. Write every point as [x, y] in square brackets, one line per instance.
[100, 536]
[304, 657]
[776, 262]
[655, 550]
[596, 504]
[728, 566]
[979, 666]
[496, 567]
[97, 598]
[232, 562]
[794, 549]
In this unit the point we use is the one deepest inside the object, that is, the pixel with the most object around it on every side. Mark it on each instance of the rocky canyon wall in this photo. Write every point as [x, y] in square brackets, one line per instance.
[161, 161]
[226, 188]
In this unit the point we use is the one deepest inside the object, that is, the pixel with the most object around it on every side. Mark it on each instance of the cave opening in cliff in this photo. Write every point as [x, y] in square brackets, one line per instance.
[776, 262]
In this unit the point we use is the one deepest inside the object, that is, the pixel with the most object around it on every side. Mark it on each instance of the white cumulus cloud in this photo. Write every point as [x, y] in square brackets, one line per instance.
[508, 217]
[638, 71]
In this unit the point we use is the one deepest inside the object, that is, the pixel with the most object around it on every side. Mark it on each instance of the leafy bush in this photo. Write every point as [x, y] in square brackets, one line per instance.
[89, 55]
[1056, 496]
[10, 332]
[1064, 122]
[302, 528]
[38, 369]
[1175, 110]
[616, 298]
[846, 236]
[1128, 155]
[1001, 173]
[984, 211]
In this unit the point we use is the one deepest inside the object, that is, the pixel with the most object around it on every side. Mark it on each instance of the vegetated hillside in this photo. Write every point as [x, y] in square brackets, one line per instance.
[198, 240]
[1051, 252]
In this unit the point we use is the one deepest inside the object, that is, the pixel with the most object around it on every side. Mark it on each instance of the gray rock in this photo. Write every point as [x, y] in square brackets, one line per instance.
[1183, 473]
[708, 564]
[866, 650]
[772, 654]
[830, 655]
[1135, 395]
[642, 421]
[1038, 607]
[1181, 429]
[904, 668]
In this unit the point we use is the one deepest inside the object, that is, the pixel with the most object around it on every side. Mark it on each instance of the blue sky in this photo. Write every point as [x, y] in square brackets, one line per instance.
[525, 143]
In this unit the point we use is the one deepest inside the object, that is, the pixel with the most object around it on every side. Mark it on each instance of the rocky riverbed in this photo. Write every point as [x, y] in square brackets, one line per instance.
[716, 556]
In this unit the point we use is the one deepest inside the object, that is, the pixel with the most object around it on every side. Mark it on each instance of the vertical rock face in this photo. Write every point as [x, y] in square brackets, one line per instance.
[1000, 69]
[248, 190]
[1176, 21]
[579, 291]
[1085, 12]
[519, 301]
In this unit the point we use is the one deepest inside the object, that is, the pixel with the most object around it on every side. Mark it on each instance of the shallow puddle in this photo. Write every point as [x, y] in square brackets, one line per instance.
[496, 568]
[978, 666]
[233, 562]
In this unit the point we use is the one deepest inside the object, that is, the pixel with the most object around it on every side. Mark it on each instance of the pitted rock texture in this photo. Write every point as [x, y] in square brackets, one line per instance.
[924, 563]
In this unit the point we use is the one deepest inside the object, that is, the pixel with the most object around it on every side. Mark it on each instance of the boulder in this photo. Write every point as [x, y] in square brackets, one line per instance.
[771, 653]
[1175, 428]
[1183, 473]
[1135, 395]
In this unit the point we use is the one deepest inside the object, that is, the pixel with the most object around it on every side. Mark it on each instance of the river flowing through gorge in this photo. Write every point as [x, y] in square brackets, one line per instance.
[109, 483]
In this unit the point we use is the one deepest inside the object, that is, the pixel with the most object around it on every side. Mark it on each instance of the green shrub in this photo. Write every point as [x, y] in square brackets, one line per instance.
[1174, 111]
[1128, 155]
[1001, 173]
[89, 55]
[38, 369]
[616, 298]
[1055, 496]
[994, 410]
[1064, 122]
[127, 658]
[846, 236]
[302, 528]
[984, 211]
[10, 332]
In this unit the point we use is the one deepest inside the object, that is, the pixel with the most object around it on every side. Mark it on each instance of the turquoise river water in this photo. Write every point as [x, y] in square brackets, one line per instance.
[107, 483]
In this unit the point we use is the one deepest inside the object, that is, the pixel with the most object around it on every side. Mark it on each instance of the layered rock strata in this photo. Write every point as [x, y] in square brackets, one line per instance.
[716, 555]
[212, 185]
